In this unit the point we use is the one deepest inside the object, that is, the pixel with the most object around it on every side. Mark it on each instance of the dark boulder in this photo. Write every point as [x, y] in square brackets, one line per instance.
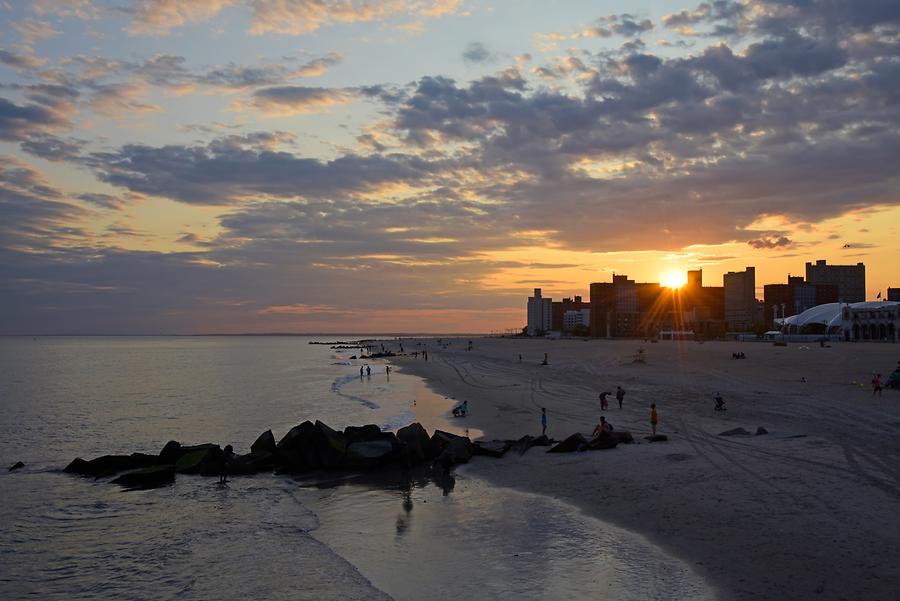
[367, 454]
[331, 446]
[362, 433]
[150, 477]
[735, 432]
[606, 440]
[207, 460]
[542, 441]
[265, 443]
[575, 442]
[760, 431]
[296, 451]
[457, 451]
[657, 438]
[496, 448]
[17, 465]
[622, 436]
[252, 463]
[417, 447]
[522, 445]
[441, 440]
[174, 450]
[108, 465]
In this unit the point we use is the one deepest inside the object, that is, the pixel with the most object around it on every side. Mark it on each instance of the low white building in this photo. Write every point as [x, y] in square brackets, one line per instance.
[540, 314]
[869, 320]
[576, 317]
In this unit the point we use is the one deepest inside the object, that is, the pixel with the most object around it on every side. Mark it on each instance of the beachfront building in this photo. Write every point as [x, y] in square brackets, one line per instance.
[560, 308]
[540, 314]
[849, 279]
[873, 321]
[795, 297]
[740, 299]
[576, 319]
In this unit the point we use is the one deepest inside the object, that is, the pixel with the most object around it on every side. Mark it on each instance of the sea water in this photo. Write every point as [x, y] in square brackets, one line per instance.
[275, 537]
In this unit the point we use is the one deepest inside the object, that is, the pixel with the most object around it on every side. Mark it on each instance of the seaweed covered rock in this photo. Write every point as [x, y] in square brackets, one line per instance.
[150, 477]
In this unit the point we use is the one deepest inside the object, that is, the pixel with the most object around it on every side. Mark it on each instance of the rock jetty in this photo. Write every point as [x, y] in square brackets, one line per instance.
[314, 446]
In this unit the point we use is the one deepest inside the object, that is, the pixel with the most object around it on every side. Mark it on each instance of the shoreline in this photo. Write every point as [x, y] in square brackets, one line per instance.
[490, 532]
[785, 515]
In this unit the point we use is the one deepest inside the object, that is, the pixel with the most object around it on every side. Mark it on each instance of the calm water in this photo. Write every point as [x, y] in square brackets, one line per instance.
[65, 537]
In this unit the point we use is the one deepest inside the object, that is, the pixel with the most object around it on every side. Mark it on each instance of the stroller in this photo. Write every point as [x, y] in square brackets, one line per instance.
[720, 403]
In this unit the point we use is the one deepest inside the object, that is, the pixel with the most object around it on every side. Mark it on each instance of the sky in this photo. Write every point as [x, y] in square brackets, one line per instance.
[238, 166]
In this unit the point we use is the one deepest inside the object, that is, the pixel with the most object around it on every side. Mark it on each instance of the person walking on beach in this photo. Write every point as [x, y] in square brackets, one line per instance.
[654, 418]
[604, 402]
[620, 395]
[876, 384]
[543, 421]
[361, 371]
[368, 371]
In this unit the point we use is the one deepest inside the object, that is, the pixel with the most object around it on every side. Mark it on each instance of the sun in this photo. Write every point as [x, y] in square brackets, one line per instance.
[673, 279]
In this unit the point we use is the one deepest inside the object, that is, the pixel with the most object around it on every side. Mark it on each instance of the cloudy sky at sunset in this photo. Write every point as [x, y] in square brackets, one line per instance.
[421, 165]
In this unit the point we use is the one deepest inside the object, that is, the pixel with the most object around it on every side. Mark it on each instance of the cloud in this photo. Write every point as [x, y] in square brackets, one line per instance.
[158, 17]
[291, 17]
[30, 30]
[227, 170]
[33, 214]
[478, 53]
[23, 61]
[770, 243]
[280, 101]
[18, 122]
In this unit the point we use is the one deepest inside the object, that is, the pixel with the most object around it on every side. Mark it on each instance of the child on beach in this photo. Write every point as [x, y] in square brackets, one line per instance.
[654, 418]
[876, 384]
[543, 421]
[604, 402]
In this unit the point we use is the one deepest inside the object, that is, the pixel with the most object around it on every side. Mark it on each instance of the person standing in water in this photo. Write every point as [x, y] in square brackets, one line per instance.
[620, 395]
[654, 418]
[543, 421]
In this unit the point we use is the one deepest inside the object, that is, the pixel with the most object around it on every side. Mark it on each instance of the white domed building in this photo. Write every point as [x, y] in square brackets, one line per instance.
[870, 320]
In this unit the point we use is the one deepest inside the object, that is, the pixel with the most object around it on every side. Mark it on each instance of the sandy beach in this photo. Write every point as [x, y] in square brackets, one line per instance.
[807, 511]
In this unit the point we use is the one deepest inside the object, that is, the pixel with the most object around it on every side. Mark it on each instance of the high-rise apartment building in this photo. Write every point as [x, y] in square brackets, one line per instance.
[740, 299]
[540, 314]
[849, 279]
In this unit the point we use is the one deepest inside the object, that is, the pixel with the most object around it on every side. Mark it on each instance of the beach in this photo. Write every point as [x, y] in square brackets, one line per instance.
[805, 511]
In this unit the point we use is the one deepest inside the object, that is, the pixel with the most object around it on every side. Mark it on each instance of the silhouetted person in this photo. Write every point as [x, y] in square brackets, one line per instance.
[604, 402]
[654, 418]
[227, 456]
[620, 395]
[543, 421]
[876, 384]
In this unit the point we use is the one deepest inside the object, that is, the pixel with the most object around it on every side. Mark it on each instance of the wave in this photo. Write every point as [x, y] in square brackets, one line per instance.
[339, 383]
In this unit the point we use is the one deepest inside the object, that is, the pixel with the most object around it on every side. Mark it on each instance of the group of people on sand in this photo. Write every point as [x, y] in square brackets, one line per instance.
[740, 355]
[604, 401]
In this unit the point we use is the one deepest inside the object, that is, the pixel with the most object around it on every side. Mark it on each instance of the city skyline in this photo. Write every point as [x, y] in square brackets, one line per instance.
[239, 166]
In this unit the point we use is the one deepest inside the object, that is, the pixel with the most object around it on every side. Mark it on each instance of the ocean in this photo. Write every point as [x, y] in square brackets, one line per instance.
[400, 536]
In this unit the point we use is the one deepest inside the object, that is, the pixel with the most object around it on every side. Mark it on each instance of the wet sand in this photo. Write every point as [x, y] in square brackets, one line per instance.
[807, 511]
